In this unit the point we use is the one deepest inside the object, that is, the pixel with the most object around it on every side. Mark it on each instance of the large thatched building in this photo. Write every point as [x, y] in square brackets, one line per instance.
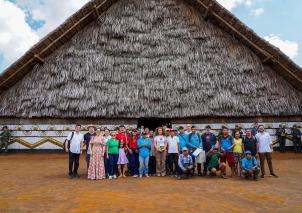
[126, 61]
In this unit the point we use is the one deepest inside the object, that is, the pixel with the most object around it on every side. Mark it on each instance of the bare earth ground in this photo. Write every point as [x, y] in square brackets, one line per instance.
[38, 183]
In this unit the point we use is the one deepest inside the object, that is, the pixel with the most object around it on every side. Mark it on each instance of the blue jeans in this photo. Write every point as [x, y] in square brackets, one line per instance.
[143, 165]
[133, 158]
[112, 164]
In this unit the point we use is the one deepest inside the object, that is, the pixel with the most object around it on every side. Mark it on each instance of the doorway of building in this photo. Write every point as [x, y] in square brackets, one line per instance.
[153, 123]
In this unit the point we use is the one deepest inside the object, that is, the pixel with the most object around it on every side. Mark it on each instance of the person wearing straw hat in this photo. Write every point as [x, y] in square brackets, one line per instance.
[87, 139]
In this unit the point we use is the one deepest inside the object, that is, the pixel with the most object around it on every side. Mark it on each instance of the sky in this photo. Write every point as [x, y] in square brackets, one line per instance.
[24, 22]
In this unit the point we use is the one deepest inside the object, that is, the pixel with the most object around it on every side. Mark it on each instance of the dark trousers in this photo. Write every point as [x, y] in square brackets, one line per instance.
[268, 157]
[255, 173]
[112, 164]
[73, 163]
[106, 162]
[133, 159]
[198, 166]
[205, 165]
[185, 174]
[173, 163]
[282, 142]
[297, 144]
[5, 145]
[152, 165]
[87, 160]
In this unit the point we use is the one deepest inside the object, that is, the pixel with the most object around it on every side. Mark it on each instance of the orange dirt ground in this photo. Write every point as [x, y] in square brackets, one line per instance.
[39, 183]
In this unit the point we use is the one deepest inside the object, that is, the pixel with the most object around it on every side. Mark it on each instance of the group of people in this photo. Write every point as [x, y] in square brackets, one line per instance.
[296, 137]
[175, 152]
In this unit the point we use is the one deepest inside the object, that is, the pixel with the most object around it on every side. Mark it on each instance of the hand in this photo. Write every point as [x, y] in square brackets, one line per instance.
[130, 151]
[107, 156]
[67, 150]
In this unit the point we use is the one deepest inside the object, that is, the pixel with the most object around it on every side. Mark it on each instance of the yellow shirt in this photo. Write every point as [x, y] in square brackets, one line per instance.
[237, 145]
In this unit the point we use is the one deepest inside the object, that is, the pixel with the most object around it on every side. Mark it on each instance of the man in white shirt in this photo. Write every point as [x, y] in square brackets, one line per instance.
[188, 129]
[173, 152]
[265, 149]
[74, 147]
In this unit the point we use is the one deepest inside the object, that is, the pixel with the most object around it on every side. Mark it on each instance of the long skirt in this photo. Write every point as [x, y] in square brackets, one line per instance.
[96, 170]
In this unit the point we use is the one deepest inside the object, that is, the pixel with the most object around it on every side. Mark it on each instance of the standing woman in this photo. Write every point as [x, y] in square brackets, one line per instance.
[160, 142]
[96, 170]
[107, 137]
[112, 149]
[238, 150]
[133, 154]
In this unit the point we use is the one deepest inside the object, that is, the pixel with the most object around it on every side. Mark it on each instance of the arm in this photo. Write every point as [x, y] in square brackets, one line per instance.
[271, 143]
[107, 156]
[180, 164]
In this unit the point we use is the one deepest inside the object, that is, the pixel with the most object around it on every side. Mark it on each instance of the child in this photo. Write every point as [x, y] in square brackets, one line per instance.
[185, 163]
[250, 166]
[213, 162]
[122, 160]
[237, 152]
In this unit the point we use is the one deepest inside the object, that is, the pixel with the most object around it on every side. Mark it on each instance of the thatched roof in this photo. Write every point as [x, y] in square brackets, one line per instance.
[152, 58]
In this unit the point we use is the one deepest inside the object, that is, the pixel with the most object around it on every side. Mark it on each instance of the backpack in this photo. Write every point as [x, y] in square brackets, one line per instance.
[67, 141]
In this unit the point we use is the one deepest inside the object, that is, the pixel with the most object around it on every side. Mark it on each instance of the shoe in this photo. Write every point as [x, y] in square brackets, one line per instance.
[262, 176]
[224, 177]
[179, 178]
[256, 178]
[158, 175]
[147, 176]
[140, 176]
[114, 176]
[135, 176]
[70, 176]
[76, 176]
[274, 175]
[199, 175]
[110, 178]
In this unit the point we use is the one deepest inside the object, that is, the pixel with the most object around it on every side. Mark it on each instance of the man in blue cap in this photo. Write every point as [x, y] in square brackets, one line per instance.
[185, 164]
[250, 167]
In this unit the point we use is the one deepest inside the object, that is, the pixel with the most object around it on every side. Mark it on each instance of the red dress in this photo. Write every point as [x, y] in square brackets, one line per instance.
[96, 170]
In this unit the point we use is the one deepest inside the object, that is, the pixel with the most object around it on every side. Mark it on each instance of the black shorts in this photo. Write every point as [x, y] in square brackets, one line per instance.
[216, 167]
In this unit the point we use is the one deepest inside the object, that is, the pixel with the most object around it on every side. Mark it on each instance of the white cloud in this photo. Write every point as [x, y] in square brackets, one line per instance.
[290, 48]
[15, 35]
[257, 12]
[231, 4]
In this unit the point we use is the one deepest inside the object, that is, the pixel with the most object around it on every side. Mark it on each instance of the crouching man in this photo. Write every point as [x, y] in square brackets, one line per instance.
[213, 164]
[250, 167]
[185, 164]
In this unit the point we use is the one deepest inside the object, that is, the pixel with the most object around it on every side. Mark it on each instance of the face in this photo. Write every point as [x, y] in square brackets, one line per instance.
[225, 131]
[160, 131]
[237, 135]
[113, 135]
[98, 132]
[193, 130]
[107, 132]
[248, 156]
[189, 127]
[208, 130]
[185, 152]
[172, 133]
[261, 128]
[91, 130]
[248, 132]
[181, 131]
[145, 136]
[134, 134]
[147, 130]
[151, 133]
[122, 129]
[78, 128]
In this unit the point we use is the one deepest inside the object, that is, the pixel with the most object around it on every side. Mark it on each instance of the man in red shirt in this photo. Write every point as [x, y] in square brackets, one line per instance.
[122, 136]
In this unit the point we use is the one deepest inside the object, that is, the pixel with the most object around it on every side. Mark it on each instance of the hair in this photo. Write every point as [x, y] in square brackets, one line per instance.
[158, 128]
[122, 126]
[181, 127]
[4, 127]
[261, 125]
[248, 129]
[236, 132]
[78, 125]
[224, 127]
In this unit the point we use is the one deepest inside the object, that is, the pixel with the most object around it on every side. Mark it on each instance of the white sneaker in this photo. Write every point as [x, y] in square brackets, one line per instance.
[135, 176]
[140, 176]
[110, 178]
[114, 176]
[147, 176]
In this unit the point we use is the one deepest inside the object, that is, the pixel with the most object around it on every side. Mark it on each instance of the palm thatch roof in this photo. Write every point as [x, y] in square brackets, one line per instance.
[151, 58]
